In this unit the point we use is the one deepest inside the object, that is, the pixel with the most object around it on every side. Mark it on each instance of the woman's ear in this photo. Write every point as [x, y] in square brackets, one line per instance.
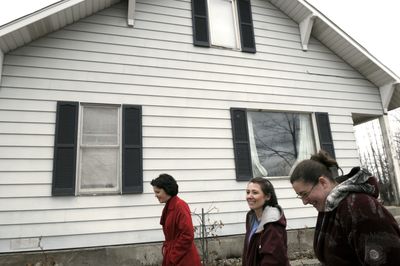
[325, 182]
[267, 197]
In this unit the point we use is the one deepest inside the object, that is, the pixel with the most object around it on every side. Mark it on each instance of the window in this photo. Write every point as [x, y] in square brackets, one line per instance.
[223, 23]
[278, 141]
[99, 149]
[106, 157]
[272, 143]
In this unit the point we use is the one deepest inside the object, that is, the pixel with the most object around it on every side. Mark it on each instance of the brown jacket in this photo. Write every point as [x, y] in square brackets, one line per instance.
[268, 245]
[358, 230]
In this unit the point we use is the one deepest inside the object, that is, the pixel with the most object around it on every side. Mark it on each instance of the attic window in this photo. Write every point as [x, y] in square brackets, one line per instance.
[223, 23]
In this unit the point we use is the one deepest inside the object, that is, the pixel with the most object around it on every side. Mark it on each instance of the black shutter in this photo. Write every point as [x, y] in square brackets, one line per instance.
[241, 144]
[132, 157]
[324, 133]
[64, 161]
[200, 23]
[246, 26]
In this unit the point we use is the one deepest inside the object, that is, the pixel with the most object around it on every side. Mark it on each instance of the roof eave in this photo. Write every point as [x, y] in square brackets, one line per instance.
[359, 58]
[46, 20]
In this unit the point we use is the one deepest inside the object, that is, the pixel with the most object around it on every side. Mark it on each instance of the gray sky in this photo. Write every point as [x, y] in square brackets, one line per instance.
[372, 23]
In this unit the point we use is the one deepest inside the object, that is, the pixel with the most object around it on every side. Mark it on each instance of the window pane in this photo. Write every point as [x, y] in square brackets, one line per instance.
[100, 126]
[222, 23]
[280, 141]
[99, 168]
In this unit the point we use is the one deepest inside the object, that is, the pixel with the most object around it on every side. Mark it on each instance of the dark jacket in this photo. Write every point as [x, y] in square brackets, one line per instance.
[268, 245]
[178, 247]
[356, 229]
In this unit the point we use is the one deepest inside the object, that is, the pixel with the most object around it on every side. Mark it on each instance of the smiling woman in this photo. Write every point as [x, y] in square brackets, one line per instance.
[266, 240]
[353, 227]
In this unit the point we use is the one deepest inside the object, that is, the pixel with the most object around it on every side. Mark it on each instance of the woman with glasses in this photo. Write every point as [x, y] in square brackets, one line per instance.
[352, 228]
[266, 240]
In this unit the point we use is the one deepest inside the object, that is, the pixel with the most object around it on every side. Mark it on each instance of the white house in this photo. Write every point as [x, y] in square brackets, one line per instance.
[98, 97]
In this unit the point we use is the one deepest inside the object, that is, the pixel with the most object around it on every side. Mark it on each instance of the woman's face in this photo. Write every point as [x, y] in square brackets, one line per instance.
[161, 195]
[314, 194]
[255, 196]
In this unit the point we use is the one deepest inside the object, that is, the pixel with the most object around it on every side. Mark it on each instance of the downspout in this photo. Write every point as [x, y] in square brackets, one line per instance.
[393, 162]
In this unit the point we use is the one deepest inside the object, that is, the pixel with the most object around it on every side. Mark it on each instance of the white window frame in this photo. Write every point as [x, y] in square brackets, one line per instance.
[118, 174]
[237, 45]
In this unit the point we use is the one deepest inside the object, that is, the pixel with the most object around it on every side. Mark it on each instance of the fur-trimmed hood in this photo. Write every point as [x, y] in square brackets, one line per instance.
[269, 215]
[359, 180]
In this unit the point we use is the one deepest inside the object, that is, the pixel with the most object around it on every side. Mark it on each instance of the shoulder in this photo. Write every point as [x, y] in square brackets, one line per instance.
[180, 201]
[273, 215]
[356, 200]
[361, 207]
[274, 232]
[180, 204]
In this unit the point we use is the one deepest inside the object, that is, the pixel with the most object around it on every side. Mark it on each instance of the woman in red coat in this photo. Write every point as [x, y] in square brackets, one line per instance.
[178, 248]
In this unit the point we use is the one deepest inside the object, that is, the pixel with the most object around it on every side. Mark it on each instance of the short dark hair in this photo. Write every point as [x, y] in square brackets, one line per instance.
[166, 182]
[268, 189]
[320, 164]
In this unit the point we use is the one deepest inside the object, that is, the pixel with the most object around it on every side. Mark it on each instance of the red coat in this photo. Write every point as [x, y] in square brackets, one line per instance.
[178, 247]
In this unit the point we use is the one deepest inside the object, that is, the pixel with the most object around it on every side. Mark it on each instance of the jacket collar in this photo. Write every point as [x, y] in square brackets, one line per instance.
[169, 206]
[359, 180]
[270, 215]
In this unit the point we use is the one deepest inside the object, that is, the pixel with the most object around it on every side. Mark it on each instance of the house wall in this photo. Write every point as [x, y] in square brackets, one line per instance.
[185, 93]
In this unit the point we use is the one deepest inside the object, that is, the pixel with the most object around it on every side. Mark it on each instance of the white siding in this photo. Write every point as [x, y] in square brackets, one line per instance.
[185, 92]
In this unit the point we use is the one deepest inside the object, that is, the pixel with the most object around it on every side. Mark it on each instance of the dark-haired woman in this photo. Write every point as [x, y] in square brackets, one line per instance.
[266, 240]
[352, 228]
[178, 248]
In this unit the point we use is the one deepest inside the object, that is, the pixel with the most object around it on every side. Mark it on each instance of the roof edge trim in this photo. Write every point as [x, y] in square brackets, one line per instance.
[349, 39]
[37, 15]
[1, 63]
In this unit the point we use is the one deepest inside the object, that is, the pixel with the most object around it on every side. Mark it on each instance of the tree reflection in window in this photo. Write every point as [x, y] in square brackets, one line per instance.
[278, 141]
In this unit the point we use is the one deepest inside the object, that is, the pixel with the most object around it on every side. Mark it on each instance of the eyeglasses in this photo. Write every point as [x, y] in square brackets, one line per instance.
[306, 194]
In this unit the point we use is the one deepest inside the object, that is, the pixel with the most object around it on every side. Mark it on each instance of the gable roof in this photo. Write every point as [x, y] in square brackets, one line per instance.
[312, 22]
[324, 30]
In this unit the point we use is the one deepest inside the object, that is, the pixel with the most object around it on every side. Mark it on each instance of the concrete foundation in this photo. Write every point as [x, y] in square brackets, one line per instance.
[299, 243]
